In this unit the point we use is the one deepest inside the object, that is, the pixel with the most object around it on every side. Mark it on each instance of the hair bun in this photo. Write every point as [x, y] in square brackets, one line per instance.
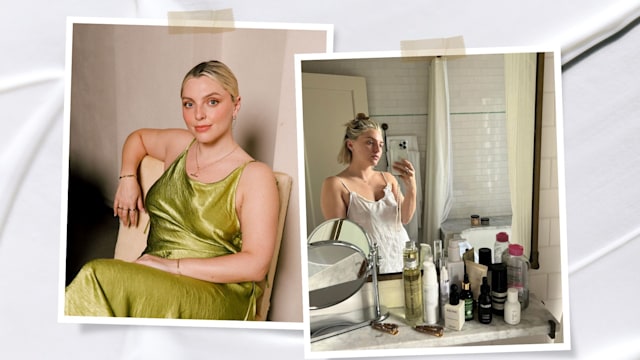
[361, 116]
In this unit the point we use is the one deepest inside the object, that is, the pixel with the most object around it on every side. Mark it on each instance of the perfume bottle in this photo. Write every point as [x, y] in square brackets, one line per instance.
[454, 310]
[412, 280]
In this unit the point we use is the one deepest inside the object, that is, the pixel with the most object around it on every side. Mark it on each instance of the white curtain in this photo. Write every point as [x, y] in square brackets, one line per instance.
[520, 91]
[438, 172]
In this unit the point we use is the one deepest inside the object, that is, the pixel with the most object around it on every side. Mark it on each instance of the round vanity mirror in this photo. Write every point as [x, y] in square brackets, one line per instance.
[342, 230]
[337, 270]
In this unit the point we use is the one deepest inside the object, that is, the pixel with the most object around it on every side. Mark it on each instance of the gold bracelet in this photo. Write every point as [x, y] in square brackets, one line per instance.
[178, 267]
[127, 175]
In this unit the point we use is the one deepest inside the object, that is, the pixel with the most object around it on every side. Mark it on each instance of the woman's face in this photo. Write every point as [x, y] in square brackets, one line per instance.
[367, 147]
[207, 109]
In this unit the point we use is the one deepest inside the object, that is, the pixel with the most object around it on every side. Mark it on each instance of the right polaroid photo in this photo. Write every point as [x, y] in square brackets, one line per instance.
[435, 216]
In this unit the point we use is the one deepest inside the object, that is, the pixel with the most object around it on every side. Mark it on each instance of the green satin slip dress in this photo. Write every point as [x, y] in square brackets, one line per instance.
[189, 219]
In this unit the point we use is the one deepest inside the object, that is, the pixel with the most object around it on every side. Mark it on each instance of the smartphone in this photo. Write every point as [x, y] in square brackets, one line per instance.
[398, 150]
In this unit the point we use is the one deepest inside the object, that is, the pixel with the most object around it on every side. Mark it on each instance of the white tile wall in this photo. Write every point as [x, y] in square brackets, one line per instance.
[397, 94]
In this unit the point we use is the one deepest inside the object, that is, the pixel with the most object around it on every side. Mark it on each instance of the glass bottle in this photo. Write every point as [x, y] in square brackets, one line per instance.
[484, 303]
[467, 297]
[412, 280]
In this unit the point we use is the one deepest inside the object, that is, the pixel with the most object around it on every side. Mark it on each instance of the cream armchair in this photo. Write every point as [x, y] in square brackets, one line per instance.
[133, 240]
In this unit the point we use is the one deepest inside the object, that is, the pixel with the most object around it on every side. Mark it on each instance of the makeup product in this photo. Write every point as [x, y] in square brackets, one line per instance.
[484, 303]
[412, 281]
[455, 265]
[475, 220]
[454, 310]
[430, 292]
[466, 296]
[500, 246]
[498, 288]
[484, 221]
[475, 272]
[512, 307]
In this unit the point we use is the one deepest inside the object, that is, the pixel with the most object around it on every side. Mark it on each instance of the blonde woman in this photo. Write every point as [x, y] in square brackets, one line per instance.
[368, 197]
[213, 217]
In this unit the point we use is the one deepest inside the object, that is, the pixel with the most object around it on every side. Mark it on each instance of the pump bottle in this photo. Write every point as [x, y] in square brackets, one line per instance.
[430, 292]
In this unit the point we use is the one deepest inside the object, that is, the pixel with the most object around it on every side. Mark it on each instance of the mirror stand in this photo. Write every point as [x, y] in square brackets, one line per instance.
[326, 326]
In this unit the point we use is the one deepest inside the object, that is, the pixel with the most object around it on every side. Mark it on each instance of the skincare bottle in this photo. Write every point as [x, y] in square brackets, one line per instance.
[498, 288]
[454, 311]
[484, 303]
[485, 258]
[512, 307]
[455, 265]
[500, 246]
[425, 252]
[437, 255]
[412, 287]
[444, 289]
[466, 296]
[430, 292]
[517, 272]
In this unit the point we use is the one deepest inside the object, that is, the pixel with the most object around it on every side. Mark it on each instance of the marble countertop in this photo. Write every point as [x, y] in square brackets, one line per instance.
[535, 321]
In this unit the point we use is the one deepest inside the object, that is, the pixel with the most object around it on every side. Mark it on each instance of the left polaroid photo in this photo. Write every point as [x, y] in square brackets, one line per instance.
[179, 197]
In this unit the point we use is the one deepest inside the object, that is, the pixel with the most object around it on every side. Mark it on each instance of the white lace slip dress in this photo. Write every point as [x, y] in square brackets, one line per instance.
[381, 221]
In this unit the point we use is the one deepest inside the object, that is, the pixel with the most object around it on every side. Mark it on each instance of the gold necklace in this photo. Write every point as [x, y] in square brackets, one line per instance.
[197, 172]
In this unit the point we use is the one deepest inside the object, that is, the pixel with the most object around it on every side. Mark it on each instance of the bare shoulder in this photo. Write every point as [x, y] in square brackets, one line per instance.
[258, 176]
[332, 182]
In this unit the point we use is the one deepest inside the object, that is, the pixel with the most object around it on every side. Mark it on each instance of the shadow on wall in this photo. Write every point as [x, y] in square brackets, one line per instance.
[91, 228]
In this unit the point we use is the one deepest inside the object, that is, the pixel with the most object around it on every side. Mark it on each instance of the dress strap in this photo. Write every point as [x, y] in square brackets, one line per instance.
[343, 184]
[385, 178]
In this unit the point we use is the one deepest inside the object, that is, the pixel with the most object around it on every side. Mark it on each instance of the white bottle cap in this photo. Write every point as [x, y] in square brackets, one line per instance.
[512, 294]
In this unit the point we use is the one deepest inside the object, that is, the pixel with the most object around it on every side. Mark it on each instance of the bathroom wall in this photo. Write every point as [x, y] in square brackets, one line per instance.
[397, 95]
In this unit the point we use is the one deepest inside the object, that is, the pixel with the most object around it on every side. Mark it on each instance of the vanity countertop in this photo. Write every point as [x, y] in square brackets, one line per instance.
[536, 320]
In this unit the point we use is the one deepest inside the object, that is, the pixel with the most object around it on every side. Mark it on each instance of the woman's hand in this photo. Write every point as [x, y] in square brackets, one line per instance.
[168, 265]
[128, 201]
[407, 173]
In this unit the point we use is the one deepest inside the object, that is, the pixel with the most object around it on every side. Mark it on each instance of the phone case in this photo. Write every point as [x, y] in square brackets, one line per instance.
[398, 150]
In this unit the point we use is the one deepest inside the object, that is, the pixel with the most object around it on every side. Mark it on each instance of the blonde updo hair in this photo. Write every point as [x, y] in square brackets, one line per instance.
[217, 71]
[355, 128]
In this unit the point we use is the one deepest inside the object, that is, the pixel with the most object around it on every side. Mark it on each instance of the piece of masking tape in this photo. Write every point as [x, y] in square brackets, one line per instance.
[221, 19]
[452, 46]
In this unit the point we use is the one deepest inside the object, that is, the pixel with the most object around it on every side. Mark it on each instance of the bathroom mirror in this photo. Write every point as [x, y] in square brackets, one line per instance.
[340, 261]
[481, 105]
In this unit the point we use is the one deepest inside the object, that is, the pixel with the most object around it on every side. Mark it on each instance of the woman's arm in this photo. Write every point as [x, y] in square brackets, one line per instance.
[257, 206]
[331, 202]
[159, 143]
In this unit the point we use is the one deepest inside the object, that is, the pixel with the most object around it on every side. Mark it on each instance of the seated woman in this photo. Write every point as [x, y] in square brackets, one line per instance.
[213, 218]
[370, 198]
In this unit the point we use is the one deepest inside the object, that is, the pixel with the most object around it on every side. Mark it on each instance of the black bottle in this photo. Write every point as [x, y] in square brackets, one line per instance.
[484, 303]
[467, 296]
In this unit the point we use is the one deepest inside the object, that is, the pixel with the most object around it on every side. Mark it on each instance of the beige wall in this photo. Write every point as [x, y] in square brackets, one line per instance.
[125, 77]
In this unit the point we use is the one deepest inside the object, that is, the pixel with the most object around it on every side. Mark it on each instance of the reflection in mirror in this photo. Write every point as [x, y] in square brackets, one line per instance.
[342, 230]
[471, 122]
[336, 271]
[340, 261]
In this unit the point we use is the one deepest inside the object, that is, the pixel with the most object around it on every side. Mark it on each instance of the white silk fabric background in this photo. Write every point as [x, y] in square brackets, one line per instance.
[601, 148]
